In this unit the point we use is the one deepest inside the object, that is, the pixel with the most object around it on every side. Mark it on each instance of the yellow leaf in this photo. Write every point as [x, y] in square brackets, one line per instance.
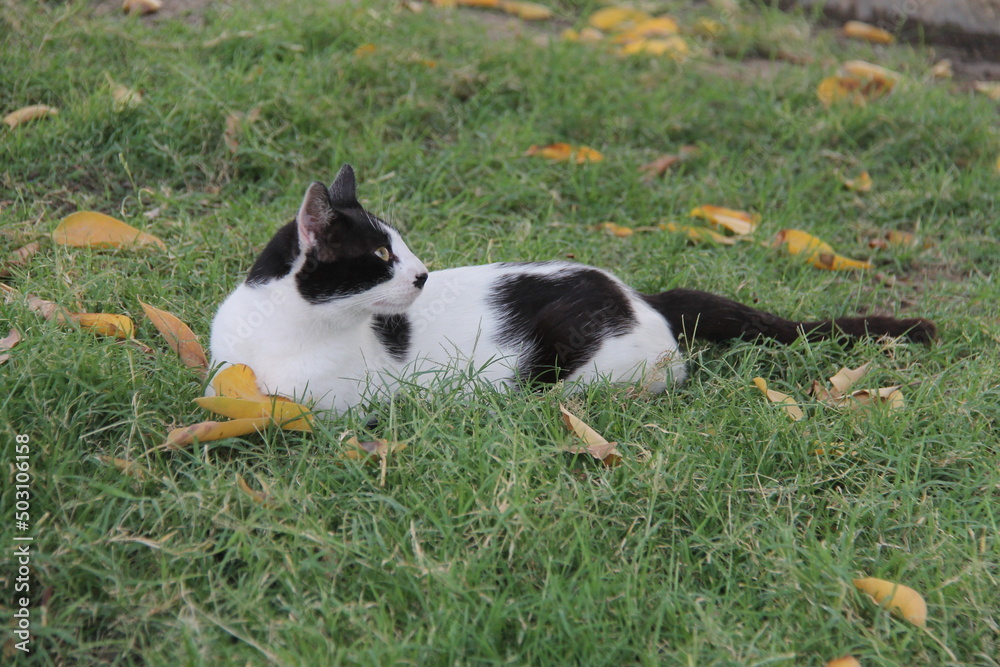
[96, 230]
[942, 69]
[178, 335]
[989, 88]
[674, 47]
[527, 11]
[815, 251]
[263, 499]
[617, 230]
[885, 79]
[594, 443]
[863, 183]
[563, 152]
[211, 430]
[482, 4]
[377, 449]
[286, 414]
[835, 262]
[105, 324]
[124, 97]
[784, 400]
[662, 26]
[588, 34]
[738, 222]
[614, 19]
[834, 89]
[238, 381]
[899, 599]
[698, 234]
[845, 378]
[141, 7]
[867, 32]
[706, 27]
[798, 242]
[364, 50]
[130, 468]
[23, 115]
[845, 661]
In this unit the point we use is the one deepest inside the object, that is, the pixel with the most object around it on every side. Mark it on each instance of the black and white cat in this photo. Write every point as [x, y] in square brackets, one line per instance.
[337, 309]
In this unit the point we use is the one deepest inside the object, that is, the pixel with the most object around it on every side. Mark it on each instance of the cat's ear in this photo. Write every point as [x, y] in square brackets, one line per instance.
[343, 191]
[315, 214]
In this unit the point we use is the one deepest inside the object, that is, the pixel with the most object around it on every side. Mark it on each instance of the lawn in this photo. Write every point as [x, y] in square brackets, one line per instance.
[722, 538]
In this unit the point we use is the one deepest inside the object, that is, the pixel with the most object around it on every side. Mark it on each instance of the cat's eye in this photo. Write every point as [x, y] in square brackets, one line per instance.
[383, 253]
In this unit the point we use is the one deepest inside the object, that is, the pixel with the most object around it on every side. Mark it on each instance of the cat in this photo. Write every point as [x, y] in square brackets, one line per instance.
[337, 309]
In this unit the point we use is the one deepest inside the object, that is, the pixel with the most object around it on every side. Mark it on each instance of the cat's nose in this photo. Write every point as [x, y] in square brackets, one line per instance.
[420, 280]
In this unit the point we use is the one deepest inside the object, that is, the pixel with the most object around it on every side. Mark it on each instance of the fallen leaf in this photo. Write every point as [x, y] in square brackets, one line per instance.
[594, 443]
[660, 165]
[942, 69]
[889, 396]
[835, 262]
[96, 230]
[365, 50]
[857, 82]
[899, 599]
[212, 430]
[19, 257]
[286, 414]
[784, 400]
[863, 182]
[699, 234]
[617, 230]
[105, 324]
[611, 19]
[898, 239]
[844, 661]
[130, 468]
[885, 79]
[527, 11]
[263, 499]
[662, 26]
[178, 335]
[563, 152]
[482, 4]
[845, 378]
[989, 88]
[376, 449]
[740, 223]
[816, 251]
[675, 47]
[24, 114]
[706, 27]
[867, 32]
[834, 89]
[124, 98]
[587, 34]
[12, 338]
[141, 7]
[237, 381]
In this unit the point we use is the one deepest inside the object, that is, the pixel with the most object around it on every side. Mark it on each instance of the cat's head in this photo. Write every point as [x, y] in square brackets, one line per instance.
[339, 253]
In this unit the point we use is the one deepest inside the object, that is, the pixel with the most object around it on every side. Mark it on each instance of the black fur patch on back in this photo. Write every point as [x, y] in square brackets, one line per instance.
[277, 257]
[393, 332]
[560, 319]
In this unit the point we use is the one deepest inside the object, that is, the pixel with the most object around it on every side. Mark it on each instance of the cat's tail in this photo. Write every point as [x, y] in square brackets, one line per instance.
[701, 316]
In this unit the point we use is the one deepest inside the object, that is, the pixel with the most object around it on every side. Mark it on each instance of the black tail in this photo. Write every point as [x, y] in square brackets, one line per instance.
[696, 315]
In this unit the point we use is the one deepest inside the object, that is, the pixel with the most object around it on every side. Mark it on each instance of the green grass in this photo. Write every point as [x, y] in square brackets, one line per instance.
[721, 539]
